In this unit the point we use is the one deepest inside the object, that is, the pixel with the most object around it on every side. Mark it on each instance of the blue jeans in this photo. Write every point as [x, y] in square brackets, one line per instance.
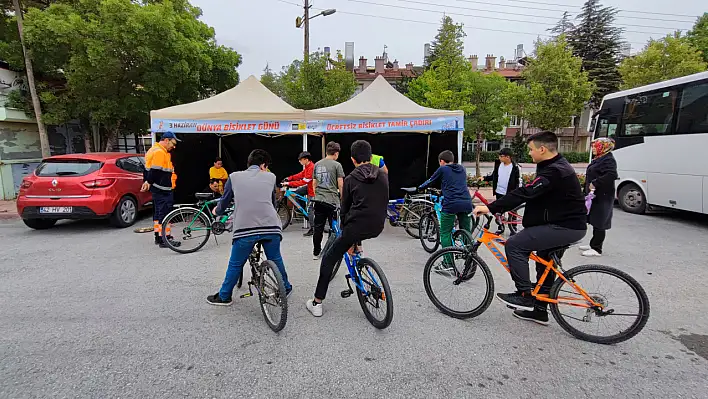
[240, 249]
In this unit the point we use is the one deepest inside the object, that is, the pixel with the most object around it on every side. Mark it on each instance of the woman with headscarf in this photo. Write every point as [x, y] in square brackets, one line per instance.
[600, 178]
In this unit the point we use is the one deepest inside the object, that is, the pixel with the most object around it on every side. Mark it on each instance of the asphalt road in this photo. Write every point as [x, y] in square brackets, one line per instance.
[90, 311]
[488, 168]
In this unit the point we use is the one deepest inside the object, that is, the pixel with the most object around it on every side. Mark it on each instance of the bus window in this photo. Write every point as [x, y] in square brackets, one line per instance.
[693, 114]
[609, 117]
[649, 113]
[605, 128]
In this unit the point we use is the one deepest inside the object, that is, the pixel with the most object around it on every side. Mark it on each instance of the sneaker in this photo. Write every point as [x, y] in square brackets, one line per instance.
[584, 247]
[314, 308]
[590, 253]
[518, 300]
[445, 269]
[216, 300]
[172, 241]
[536, 316]
[315, 257]
[288, 291]
[158, 240]
[309, 233]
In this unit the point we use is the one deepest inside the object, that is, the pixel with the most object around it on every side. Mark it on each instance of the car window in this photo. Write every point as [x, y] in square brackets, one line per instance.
[141, 163]
[67, 167]
[131, 164]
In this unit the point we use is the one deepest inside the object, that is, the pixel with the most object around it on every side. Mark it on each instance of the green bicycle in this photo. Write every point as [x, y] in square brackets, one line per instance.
[192, 224]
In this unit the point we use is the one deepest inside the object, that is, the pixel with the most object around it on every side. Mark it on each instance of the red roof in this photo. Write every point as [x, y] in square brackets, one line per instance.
[388, 74]
[96, 156]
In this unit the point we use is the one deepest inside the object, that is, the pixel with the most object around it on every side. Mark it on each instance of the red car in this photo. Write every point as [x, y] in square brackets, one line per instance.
[84, 186]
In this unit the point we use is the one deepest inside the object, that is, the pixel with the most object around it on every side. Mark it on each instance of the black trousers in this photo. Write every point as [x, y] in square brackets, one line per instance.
[598, 237]
[539, 239]
[302, 190]
[324, 212]
[340, 246]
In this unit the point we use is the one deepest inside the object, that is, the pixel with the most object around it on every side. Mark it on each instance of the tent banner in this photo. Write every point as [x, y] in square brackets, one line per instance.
[229, 126]
[392, 125]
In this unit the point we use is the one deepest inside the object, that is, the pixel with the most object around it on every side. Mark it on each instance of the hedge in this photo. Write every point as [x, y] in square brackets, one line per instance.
[491, 156]
[526, 177]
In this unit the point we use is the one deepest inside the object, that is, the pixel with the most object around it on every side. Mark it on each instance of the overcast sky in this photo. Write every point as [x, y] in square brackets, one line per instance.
[263, 31]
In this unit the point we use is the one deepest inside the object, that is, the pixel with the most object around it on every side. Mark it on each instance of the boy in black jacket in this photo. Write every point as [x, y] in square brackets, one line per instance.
[555, 216]
[363, 213]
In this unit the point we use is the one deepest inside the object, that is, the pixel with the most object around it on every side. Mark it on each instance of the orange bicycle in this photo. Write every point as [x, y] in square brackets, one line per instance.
[461, 271]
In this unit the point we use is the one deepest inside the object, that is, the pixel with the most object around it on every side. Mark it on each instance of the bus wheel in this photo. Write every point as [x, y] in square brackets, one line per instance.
[632, 199]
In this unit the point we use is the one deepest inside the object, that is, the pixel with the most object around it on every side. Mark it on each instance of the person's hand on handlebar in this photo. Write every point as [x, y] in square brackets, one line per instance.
[480, 210]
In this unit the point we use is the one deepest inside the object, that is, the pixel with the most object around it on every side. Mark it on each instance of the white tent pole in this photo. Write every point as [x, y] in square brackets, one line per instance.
[153, 138]
[460, 135]
[304, 148]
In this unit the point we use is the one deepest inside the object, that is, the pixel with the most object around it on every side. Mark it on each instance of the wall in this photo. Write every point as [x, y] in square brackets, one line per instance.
[19, 154]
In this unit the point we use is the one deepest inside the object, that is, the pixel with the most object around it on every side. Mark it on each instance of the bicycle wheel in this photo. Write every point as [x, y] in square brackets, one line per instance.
[190, 228]
[429, 232]
[630, 308]
[379, 299]
[462, 238]
[454, 285]
[285, 213]
[272, 297]
[412, 215]
[514, 219]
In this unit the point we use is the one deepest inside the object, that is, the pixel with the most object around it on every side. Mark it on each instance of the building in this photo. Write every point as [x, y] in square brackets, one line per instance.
[512, 71]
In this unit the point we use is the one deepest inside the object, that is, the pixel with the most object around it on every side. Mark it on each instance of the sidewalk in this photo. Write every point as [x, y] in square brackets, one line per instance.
[8, 210]
[523, 165]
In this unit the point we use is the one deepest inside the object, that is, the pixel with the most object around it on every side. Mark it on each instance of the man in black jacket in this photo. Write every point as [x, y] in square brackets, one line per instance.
[363, 213]
[506, 176]
[555, 216]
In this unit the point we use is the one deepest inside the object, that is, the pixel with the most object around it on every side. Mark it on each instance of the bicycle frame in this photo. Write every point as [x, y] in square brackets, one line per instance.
[490, 240]
[517, 219]
[352, 260]
[293, 197]
[205, 210]
[393, 214]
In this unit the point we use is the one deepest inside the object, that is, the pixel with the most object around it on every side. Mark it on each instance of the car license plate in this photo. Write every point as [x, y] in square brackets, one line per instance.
[55, 209]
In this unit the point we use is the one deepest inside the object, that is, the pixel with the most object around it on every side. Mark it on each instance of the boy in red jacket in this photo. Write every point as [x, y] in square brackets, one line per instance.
[303, 180]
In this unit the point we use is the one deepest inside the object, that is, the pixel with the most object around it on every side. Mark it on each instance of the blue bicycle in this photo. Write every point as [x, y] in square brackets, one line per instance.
[372, 288]
[290, 204]
[429, 227]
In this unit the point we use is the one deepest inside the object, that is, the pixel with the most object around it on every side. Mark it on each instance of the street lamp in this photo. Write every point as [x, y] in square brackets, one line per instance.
[305, 20]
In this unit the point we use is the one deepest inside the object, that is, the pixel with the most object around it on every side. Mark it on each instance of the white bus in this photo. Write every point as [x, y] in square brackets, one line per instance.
[661, 136]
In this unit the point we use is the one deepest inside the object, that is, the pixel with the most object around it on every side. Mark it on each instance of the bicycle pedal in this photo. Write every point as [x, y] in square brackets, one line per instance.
[246, 295]
[347, 293]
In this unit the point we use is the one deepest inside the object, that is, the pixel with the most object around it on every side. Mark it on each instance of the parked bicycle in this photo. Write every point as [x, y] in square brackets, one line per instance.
[513, 219]
[406, 212]
[374, 293]
[192, 224]
[462, 271]
[290, 206]
[429, 226]
[269, 284]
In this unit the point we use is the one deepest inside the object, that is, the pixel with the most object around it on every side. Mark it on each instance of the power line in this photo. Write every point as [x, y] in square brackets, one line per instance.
[632, 11]
[486, 17]
[565, 10]
[432, 23]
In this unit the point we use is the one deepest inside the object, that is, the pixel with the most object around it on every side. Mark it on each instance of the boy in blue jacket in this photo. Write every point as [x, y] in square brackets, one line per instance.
[457, 201]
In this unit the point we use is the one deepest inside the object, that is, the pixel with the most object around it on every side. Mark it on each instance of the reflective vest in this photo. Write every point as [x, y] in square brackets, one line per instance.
[376, 160]
[160, 172]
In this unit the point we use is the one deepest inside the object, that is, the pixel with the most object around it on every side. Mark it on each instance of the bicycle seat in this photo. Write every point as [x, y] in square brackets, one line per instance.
[562, 248]
[204, 196]
[410, 189]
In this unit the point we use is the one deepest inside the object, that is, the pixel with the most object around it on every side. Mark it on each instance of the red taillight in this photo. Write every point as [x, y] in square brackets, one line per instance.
[99, 183]
[25, 184]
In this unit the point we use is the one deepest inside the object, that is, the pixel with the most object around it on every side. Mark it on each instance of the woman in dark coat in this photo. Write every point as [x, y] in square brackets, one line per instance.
[600, 177]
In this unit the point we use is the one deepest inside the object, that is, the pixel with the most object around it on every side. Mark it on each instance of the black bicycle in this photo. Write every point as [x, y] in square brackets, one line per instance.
[269, 284]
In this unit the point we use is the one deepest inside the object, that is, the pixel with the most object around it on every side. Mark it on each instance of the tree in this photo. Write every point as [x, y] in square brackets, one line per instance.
[448, 45]
[698, 36]
[518, 147]
[489, 116]
[564, 26]
[36, 106]
[311, 84]
[670, 57]
[597, 41]
[272, 81]
[119, 59]
[558, 88]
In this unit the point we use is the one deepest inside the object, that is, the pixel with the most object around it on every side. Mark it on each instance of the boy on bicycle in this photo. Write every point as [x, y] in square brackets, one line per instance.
[555, 216]
[255, 220]
[457, 201]
[363, 213]
[303, 182]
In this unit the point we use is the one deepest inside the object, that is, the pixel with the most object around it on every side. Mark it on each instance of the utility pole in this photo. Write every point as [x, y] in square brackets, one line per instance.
[307, 31]
[43, 138]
